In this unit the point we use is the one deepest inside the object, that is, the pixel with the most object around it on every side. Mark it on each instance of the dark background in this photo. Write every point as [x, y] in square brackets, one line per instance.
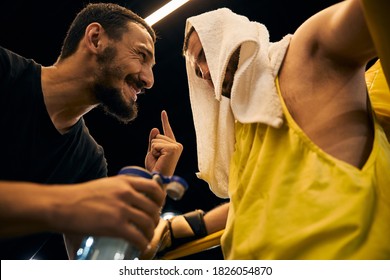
[35, 29]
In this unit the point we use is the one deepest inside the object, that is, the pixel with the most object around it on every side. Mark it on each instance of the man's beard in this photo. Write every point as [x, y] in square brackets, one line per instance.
[111, 99]
[113, 103]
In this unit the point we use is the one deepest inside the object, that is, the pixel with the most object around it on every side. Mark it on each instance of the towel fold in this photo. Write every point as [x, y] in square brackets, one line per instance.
[254, 97]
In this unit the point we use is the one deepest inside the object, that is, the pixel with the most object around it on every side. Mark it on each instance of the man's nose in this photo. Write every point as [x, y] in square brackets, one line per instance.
[147, 77]
[205, 72]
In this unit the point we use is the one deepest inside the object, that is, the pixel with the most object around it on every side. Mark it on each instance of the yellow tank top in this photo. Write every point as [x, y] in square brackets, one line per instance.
[379, 95]
[291, 200]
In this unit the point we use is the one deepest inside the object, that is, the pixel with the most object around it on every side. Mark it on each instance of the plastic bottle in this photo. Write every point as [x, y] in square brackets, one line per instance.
[109, 248]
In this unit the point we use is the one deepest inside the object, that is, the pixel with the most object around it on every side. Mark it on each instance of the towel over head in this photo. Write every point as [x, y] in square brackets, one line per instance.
[253, 99]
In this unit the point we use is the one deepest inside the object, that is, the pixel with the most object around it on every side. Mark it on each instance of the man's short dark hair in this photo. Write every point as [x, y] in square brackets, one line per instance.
[113, 17]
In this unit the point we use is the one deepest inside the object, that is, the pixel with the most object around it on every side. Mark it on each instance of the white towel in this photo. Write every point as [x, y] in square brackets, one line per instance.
[254, 97]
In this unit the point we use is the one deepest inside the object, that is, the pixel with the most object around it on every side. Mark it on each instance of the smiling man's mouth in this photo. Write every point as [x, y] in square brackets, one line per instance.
[133, 91]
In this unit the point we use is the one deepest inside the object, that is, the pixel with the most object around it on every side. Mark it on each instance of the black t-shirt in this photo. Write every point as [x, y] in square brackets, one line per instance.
[33, 150]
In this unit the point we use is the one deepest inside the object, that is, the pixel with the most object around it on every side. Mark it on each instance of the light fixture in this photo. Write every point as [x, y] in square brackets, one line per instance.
[164, 11]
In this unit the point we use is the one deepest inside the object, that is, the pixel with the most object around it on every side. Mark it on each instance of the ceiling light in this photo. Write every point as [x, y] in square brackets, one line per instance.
[164, 11]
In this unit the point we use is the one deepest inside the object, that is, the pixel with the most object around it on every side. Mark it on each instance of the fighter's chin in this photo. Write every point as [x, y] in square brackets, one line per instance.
[226, 94]
[226, 90]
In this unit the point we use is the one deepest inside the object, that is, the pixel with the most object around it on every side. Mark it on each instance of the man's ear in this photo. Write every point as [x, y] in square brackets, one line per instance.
[92, 37]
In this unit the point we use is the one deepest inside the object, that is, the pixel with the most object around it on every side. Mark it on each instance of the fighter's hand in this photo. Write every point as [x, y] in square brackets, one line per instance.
[163, 150]
[161, 241]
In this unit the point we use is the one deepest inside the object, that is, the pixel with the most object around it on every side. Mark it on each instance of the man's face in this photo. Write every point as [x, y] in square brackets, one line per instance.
[125, 70]
[197, 58]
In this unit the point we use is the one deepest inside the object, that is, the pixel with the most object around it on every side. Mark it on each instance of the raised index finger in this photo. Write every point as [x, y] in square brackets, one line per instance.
[166, 126]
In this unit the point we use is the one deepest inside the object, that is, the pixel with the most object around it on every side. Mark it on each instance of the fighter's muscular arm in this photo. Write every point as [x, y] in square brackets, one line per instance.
[338, 33]
[378, 21]
[214, 220]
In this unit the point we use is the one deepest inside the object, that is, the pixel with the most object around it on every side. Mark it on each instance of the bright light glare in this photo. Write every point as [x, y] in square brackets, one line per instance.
[169, 214]
[164, 11]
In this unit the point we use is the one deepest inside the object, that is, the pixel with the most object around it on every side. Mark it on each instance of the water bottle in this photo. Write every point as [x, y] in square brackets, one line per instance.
[112, 248]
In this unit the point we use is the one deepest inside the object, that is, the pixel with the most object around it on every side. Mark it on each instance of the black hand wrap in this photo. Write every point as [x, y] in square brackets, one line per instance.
[196, 221]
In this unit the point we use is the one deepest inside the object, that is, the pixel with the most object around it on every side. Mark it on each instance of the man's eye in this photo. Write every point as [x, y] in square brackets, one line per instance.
[143, 55]
[198, 73]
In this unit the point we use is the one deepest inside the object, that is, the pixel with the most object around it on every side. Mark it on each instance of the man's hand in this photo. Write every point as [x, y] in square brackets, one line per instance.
[163, 150]
[121, 206]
